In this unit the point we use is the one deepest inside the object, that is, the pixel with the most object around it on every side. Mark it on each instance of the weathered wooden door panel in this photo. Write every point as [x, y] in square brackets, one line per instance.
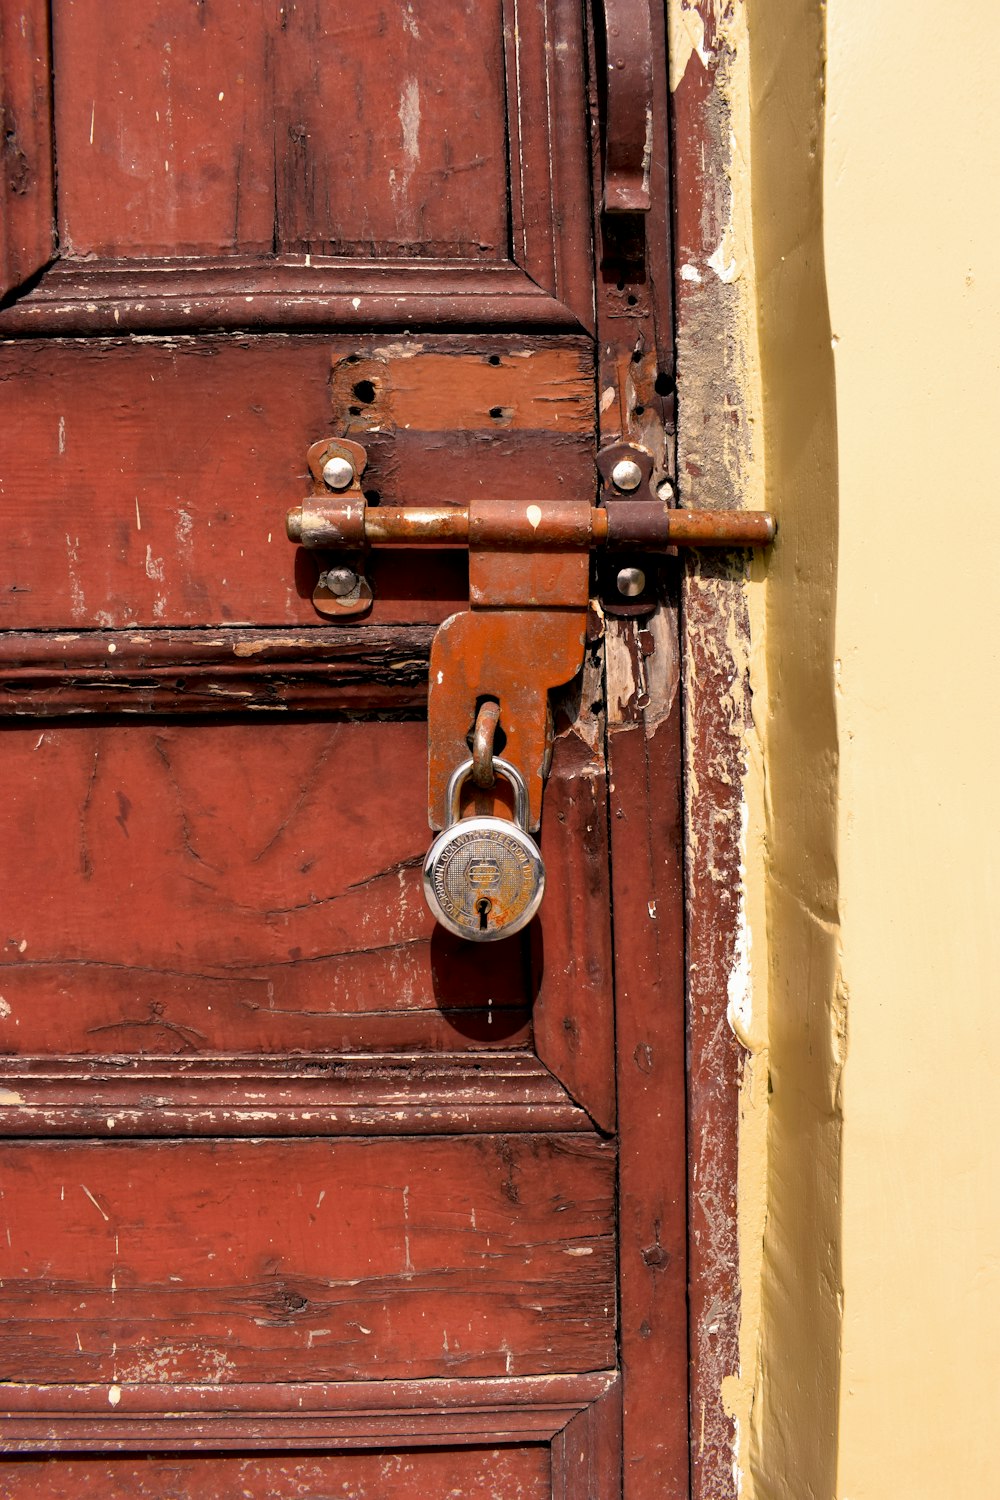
[473, 1473]
[246, 905]
[301, 1195]
[247, 1263]
[152, 479]
[316, 162]
[260, 128]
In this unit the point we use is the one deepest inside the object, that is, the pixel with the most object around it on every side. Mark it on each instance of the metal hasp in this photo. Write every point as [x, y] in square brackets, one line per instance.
[628, 113]
[529, 590]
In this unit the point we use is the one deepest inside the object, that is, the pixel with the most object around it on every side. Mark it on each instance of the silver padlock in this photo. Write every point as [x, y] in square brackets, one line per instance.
[484, 876]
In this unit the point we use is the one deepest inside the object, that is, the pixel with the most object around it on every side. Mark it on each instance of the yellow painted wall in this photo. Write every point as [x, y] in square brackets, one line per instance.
[911, 229]
[862, 314]
[873, 165]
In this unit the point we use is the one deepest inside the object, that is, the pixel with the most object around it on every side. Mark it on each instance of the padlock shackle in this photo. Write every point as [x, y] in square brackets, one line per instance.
[502, 767]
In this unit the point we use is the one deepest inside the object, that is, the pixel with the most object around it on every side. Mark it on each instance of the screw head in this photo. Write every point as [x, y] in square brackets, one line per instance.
[626, 474]
[631, 582]
[340, 581]
[338, 472]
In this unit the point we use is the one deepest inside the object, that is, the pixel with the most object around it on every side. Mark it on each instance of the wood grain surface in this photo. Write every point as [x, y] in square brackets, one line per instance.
[226, 1262]
[248, 887]
[475, 1473]
[268, 128]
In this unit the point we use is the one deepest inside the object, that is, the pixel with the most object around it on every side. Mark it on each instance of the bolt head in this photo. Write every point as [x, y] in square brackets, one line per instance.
[338, 472]
[340, 581]
[626, 475]
[631, 582]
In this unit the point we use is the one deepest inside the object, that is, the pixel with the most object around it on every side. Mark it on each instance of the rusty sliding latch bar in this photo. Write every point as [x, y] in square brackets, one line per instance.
[514, 525]
[529, 590]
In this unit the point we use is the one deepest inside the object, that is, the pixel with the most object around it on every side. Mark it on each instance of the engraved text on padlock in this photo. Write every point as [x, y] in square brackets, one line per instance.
[483, 876]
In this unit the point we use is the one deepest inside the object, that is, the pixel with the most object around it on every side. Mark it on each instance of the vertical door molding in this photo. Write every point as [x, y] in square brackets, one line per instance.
[715, 470]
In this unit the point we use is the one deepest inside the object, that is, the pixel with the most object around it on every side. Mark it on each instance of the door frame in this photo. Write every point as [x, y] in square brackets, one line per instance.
[713, 318]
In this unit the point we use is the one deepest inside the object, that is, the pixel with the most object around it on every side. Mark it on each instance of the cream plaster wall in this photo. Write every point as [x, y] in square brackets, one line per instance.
[861, 318]
[911, 229]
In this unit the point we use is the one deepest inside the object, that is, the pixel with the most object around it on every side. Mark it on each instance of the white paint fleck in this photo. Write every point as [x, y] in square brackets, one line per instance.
[62, 434]
[534, 514]
[10, 1096]
[94, 1201]
[440, 678]
[22, 945]
[651, 908]
[154, 566]
[355, 303]
[138, 517]
[579, 1250]
[112, 1122]
[607, 397]
[114, 1394]
[93, 112]
[723, 261]
[409, 119]
[4, 1007]
[112, 648]
[689, 272]
[739, 986]
[407, 1262]
[410, 22]
[687, 40]
[75, 586]
[221, 95]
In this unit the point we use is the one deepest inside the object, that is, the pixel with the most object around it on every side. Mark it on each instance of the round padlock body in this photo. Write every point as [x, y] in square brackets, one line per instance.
[484, 878]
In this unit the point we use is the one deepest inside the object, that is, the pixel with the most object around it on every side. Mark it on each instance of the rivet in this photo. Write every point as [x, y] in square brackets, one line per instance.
[340, 581]
[338, 472]
[626, 474]
[631, 582]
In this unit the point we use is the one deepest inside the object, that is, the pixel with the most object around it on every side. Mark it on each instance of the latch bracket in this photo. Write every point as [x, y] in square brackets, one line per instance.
[529, 588]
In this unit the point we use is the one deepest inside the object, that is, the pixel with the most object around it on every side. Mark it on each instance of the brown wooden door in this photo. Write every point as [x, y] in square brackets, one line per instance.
[301, 1196]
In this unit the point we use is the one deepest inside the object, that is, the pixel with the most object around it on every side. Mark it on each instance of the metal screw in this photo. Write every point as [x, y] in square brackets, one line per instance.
[626, 474]
[340, 581]
[338, 472]
[631, 581]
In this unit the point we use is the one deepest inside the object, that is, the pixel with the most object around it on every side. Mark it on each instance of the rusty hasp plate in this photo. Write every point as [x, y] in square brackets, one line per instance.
[629, 106]
[529, 585]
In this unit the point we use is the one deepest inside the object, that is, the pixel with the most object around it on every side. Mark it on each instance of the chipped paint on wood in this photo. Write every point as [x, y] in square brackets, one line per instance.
[719, 465]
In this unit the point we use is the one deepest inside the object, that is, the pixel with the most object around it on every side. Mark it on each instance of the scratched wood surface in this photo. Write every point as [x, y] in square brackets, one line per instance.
[242, 166]
[147, 484]
[473, 1473]
[247, 887]
[233, 1262]
[266, 128]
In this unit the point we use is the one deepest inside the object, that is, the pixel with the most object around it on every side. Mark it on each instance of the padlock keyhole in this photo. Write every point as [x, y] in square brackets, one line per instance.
[483, 907]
